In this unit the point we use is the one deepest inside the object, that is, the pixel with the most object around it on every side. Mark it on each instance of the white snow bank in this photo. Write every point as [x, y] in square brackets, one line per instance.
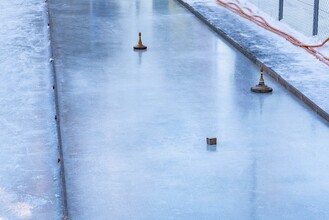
[27, 137]
[273, 22]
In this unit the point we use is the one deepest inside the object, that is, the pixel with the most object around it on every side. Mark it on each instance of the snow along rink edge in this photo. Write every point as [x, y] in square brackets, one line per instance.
[29, 184]
[300, 73]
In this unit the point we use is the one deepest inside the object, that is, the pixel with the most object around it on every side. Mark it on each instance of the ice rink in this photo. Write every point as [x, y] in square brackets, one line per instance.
[134, 124]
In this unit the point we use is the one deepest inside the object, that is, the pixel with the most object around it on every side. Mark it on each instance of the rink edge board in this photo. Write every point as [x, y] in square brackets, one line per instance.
[275, 75]
[57, 119]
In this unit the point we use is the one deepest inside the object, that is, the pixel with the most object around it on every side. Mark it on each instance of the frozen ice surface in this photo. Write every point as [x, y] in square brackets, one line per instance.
[300, 69]
[135, 123]
[28, 139]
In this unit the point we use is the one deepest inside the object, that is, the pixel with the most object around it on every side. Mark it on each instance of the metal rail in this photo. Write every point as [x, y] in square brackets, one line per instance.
[57, 118]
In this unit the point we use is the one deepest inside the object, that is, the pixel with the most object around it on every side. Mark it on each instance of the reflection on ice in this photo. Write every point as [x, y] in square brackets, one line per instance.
[135, 124]
[140, 55]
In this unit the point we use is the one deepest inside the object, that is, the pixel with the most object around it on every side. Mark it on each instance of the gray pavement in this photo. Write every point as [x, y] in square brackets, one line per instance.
[134, 124]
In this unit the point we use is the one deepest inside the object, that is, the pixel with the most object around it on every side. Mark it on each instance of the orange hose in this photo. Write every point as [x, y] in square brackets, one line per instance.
[260, 21]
